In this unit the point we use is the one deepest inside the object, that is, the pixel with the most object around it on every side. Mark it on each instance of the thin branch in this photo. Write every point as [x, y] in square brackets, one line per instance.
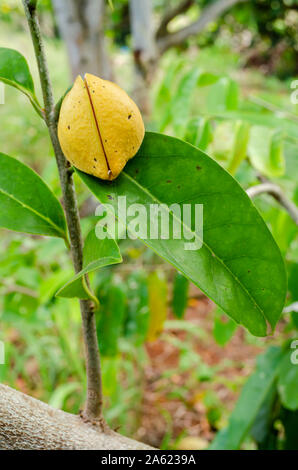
[273, 108]
[275, 191]
[11, 288]
[93, 406]
[291, 308]
[209, 13]
[170, 15]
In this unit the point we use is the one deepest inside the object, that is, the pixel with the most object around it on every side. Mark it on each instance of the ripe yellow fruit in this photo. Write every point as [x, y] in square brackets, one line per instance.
[100, 128]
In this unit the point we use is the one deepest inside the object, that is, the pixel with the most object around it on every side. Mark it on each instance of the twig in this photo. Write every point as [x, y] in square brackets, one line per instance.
[275, 191]
[273, 108]
[93, 406]
[170, 15]
[10, 288]
[210, 13]
[291, 308]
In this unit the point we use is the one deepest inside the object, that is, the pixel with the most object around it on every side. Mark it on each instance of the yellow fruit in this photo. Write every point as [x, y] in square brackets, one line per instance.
[100, 128]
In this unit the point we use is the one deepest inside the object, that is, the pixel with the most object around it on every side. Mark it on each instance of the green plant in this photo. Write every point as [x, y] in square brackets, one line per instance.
[268, 399]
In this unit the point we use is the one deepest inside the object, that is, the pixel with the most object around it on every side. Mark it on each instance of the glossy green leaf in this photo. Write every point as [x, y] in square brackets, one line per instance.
[237, 252]
[26, 202]
[97, 254]
[265, 150]
[288, 379]
[14, 71]
[250, 401]
[180, 295]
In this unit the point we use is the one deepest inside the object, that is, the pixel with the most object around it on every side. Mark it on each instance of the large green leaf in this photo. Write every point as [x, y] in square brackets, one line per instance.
[252, 397]
[239, 265]
[97, 254]
[14, 71]
[26, 202]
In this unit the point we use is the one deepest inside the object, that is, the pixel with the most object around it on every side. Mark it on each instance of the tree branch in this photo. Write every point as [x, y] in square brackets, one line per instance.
[93, 406]
[27, 423]
[275, 191]
[170, 15]
[210, 13]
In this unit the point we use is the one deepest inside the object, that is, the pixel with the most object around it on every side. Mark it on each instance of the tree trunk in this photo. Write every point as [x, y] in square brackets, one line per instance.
[81, 24]
[27, 423]
[143, 43]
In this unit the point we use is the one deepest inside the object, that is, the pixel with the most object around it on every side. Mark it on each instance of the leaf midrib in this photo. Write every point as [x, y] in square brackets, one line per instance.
[43, 217]
[154, 198]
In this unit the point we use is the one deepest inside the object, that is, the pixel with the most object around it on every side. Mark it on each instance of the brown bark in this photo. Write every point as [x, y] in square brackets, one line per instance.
[27, 423]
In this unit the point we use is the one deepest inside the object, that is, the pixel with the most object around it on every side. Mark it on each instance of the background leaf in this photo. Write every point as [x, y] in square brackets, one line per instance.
[288, 382]
[137, 315]
[265, 150]
[251, 399]
[238, 250]
[111, 318]
[199, 133]
[180, 295]
[223, 330]
[240, 143]
[157, 289]
[27, 204]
